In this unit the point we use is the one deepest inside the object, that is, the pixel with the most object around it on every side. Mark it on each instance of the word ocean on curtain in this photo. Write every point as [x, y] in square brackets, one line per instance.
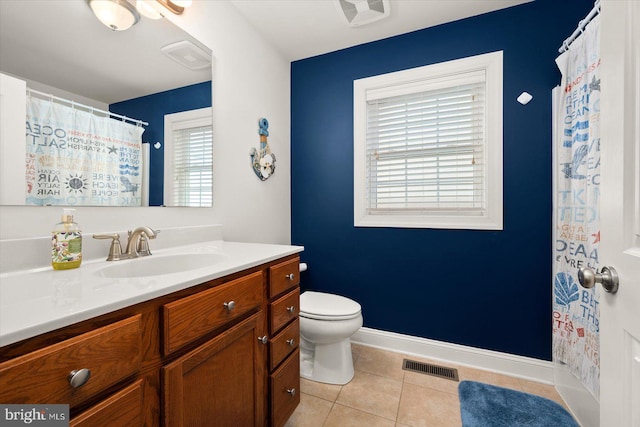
[576, 339]
[74, 157]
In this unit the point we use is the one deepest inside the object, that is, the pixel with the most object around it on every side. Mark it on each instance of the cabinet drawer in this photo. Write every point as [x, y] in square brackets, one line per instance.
[110, 353]
[284, 276]
[283, 310]
[123, 409]
[284, 343]
[190, 318]
[285, 390]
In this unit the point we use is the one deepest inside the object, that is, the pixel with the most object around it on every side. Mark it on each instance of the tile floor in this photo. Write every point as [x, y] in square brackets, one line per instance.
[383, 394]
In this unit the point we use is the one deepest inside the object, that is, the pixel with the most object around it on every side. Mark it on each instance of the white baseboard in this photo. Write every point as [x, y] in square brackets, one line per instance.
[584, 407]
[503, 363]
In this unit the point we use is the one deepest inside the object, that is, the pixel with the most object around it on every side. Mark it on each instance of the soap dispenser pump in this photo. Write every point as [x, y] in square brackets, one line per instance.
[66, 243]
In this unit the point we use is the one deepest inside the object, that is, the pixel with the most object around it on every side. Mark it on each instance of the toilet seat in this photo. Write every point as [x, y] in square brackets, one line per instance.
[323, 306]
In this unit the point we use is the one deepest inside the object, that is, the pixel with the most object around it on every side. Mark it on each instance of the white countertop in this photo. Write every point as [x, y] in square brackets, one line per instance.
[40, 300]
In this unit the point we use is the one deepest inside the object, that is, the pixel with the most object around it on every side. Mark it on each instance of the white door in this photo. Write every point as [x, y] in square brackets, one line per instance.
[620, 213]
[13, 112]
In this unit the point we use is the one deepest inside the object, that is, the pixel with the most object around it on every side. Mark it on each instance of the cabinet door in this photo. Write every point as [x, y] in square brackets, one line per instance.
[220, 383]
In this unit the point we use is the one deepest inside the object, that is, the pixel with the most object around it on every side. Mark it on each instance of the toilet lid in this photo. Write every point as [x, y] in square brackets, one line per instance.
[319, 305]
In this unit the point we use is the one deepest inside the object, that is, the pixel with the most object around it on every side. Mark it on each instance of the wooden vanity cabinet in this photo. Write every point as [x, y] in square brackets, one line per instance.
[284, 337]
[224, 352]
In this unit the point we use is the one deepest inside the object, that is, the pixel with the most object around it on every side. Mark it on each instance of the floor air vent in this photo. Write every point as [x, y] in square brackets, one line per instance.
[429, 369]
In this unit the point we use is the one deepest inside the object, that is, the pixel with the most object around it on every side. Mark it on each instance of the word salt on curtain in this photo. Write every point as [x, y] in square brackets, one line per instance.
[74, 157]
[576, 340]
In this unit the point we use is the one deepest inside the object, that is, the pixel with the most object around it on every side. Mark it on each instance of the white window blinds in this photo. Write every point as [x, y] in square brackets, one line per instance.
[428, 146]
[188, 158]
[192, 166]
[425, 150]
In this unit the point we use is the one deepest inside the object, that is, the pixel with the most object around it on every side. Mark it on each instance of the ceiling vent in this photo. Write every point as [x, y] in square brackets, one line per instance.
[361, 12]
[188, 54]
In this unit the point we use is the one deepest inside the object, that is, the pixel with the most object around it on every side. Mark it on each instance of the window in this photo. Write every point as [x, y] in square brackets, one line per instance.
[428, 146]
[188, 158]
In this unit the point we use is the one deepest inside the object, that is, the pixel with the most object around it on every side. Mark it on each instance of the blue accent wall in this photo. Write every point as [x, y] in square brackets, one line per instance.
[152, 109]
[485, 289]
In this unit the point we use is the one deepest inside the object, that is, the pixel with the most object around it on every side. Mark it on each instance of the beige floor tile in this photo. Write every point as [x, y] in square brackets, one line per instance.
[380, 362]
[324, 391]
[355, 351]
[311, 412]
[489, 377]
[342, 416]
[423, 406]
[382, 394]
[373, 394]
[437, 383]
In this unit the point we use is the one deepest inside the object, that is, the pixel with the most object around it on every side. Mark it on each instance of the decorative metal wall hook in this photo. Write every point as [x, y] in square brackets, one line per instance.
[263, 161]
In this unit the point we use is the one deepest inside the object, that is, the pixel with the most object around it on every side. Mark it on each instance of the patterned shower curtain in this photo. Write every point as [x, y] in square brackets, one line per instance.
[576, 311]
[74, 157]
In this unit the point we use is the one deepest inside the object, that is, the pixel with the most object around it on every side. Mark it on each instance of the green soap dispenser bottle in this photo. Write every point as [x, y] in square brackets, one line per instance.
[66, 243]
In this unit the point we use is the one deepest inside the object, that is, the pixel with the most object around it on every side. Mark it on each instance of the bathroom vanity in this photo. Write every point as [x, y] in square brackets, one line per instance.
[206, 346]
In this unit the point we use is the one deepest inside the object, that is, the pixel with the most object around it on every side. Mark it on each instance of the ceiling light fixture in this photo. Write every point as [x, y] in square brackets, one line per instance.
[182, 3]
[120, 15]
[174, 6]
[149, 9]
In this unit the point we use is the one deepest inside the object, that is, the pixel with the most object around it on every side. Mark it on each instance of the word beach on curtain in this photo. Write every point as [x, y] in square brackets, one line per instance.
[576, 340]
[74, 157]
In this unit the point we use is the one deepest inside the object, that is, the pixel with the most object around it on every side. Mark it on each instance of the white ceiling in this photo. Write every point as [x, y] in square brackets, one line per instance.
[60, 43]
[303, 28]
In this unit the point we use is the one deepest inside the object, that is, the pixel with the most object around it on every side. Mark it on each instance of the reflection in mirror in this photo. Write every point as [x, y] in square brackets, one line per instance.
[60, 48]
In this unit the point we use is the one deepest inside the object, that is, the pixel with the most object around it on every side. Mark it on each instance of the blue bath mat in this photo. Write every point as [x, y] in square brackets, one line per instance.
[484, 405]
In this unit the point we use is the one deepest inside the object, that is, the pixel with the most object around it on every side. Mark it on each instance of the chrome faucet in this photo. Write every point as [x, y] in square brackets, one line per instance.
[138, 245]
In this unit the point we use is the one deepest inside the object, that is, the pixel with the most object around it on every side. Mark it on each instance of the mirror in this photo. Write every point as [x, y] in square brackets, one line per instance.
[59, 45]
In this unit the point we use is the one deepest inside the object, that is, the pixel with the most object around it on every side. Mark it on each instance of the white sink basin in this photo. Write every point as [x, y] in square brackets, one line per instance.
[156, 265]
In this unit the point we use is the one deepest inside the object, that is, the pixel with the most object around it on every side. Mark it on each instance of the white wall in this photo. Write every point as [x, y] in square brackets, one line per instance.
[251, 80]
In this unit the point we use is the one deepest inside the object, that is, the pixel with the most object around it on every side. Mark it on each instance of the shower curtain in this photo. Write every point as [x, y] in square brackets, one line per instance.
[577, 152]
[74, 157]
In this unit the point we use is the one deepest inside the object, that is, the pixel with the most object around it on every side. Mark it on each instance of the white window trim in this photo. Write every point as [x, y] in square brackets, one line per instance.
[396, 82]
[177, 121]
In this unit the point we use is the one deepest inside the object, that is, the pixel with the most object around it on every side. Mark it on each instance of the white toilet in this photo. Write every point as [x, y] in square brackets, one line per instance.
[327, 322]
